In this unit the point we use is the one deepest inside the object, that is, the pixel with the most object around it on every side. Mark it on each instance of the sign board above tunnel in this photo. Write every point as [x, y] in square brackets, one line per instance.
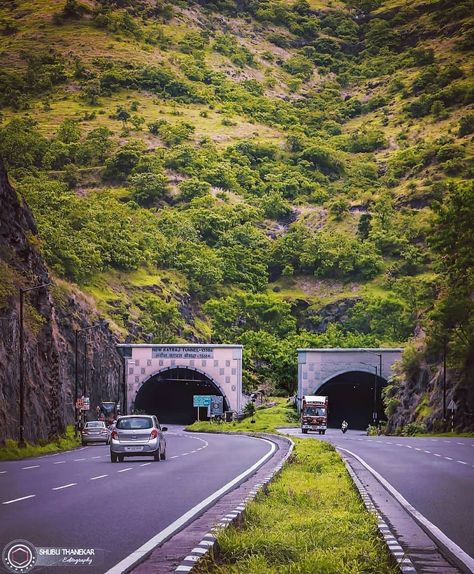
[185, 352]
[202, 400]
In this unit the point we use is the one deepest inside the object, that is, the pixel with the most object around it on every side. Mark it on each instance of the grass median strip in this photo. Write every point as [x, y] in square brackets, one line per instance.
[282, 414]
[310, 519]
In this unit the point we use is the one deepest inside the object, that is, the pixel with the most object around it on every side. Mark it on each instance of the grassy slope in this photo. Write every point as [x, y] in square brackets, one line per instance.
[37, 31]
[11, 450]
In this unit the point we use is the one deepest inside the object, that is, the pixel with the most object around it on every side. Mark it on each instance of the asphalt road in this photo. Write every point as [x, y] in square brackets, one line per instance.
[435, 475]
[79, 499]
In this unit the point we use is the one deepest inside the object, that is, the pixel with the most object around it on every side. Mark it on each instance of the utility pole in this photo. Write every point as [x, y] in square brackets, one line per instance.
[375, 413]
[445, 352]
[21, 442]
[124, 385]
[76, 368]
[76, 381]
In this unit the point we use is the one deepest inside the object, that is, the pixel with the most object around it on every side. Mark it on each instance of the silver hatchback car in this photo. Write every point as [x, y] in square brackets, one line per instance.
[137, 435]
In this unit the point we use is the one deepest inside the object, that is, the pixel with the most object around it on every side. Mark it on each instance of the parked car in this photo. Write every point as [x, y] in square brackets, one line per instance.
[137, 435]
[94, 431]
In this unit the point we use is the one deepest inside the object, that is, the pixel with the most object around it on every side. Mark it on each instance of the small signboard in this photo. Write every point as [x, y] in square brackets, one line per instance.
[217, 406]
[86, 404]
[79, 404]
[202, 400]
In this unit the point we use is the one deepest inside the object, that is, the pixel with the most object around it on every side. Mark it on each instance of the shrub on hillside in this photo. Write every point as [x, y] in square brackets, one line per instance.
[365, 141]
[147, 188]
[193, 187]
[121, 163]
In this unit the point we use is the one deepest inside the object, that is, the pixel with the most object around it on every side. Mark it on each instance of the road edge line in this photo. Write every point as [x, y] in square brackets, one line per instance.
[399, 554]
[144, 550]
[461, 559]
[209, 540]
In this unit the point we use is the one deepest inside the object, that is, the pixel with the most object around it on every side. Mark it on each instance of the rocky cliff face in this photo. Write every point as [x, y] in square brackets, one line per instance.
[50, 316]
[417, 396]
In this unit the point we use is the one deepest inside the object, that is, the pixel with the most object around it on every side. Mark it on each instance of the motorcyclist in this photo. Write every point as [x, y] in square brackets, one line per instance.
[344, 426]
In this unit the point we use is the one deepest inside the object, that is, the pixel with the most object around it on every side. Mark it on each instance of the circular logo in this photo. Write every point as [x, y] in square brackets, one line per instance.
[19, 556]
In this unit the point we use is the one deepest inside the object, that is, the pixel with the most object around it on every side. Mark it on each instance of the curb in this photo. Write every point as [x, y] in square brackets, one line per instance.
[208, 542]
[399, 555]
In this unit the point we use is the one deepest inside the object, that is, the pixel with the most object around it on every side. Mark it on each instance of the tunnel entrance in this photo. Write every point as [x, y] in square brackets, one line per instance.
[169, 395]
[352, 398]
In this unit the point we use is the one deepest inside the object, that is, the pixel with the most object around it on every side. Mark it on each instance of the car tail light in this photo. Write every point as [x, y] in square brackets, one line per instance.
[115, 435]
[154, 433]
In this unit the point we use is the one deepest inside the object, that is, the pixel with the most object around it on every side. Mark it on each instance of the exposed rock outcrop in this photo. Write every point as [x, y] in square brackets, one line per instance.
[51, 315]
[417, 397]
[317, 321]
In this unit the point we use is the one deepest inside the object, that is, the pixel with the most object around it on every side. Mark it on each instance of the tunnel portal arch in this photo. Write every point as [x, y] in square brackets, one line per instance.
[339, 373]
[169, 394]
[354, 396]
[217, 368]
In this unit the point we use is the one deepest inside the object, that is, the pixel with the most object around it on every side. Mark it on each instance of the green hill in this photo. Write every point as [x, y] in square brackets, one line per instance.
[259, 171]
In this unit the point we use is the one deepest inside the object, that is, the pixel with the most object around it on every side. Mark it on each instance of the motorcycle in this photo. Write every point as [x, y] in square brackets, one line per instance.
[344, 427]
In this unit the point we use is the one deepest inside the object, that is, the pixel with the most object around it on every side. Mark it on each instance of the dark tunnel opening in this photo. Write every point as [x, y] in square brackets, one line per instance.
[351, 397]
[169, 395]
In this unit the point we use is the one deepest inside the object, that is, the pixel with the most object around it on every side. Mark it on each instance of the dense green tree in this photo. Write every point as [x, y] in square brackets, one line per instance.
[147, 188]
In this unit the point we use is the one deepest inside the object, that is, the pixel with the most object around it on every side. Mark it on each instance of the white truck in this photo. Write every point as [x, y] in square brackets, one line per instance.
[314, 414]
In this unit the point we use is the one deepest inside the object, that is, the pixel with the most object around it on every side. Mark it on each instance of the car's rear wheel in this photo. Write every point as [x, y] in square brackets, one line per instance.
[113, 457]
[157, 455]
[305, 431]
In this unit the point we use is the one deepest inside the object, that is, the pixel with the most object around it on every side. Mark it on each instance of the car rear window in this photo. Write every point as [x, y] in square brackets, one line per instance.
[95, 424]
[134, 423]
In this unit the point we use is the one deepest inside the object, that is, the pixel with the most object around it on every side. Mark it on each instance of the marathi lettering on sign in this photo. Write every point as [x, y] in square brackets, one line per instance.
[182, 352]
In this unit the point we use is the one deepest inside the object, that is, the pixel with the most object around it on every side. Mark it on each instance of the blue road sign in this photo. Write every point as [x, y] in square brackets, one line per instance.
[202, 400]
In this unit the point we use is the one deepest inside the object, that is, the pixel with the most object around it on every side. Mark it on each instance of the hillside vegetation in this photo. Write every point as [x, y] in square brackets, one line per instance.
[274, 173]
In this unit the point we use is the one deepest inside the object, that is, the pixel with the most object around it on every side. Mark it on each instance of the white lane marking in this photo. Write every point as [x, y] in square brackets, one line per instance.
[175, 456]
[408, 446]
[59, 462]
[448, 458]
[435, 532]
[18, 499]
[145, 464]
[78, 459]
[417, 449]
[461, 462]
[125, 469]
[398, 444]
[32, 466]
[83, 448]
[100, 476]
[436, 454]
[461, 443]
[95, 456]
[139, 553]
[427, 451]
[65, 486]
[185, 454]
[3, 471]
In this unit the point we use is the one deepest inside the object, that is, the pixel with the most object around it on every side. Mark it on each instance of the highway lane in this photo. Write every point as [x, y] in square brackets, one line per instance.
[80, 499]
[435, 475]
